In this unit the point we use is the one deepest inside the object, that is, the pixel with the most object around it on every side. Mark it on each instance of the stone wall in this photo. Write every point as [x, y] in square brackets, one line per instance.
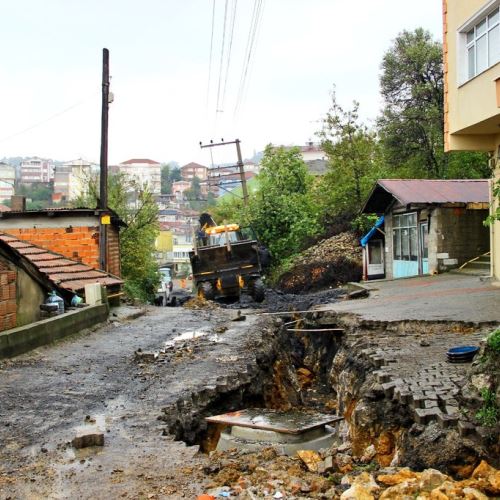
[458, 232]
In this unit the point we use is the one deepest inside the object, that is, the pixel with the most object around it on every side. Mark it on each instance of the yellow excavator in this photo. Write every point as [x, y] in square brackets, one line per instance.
[226, 261]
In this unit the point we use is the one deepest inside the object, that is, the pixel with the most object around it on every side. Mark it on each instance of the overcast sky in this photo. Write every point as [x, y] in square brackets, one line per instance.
[51, 56]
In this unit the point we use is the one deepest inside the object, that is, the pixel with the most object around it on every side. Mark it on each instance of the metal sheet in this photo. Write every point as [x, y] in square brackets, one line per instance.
[437, 191]
[287, 422]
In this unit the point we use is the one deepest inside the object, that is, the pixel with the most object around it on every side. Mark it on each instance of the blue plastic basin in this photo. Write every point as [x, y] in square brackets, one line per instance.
[461, 350]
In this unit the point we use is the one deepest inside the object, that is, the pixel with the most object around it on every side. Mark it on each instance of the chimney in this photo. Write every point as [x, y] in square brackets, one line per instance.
[18, 203]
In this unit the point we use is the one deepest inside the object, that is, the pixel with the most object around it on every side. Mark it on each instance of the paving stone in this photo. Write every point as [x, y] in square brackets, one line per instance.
[451, 410]
[425, 415]
[465, 428]
[428, 403]
[446, 421]
[389, 388]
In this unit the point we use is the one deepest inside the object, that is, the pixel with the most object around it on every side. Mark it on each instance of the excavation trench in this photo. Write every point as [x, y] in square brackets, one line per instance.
[389, 381]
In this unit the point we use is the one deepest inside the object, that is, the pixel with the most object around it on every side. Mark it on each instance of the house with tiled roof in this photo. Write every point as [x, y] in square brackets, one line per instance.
[426, 226]
[29, 272]
[75, 233]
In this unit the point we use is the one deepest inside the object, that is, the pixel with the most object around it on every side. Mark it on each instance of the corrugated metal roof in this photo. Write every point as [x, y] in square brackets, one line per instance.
[437, 191]
[65, 273]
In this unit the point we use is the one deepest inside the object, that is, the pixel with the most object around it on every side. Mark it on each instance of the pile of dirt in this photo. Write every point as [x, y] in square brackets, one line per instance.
[330, 263]
[335, 474]
[199, 303]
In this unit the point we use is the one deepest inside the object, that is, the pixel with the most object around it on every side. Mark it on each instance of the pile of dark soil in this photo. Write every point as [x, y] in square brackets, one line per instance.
[278, 301]
[330, 263]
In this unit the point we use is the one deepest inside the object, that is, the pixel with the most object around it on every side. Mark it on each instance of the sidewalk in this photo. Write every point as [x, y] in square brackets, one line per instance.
[444, 297]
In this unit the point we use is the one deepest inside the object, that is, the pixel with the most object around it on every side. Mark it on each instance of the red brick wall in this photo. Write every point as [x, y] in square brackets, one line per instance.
[77, 243]
[8, 304]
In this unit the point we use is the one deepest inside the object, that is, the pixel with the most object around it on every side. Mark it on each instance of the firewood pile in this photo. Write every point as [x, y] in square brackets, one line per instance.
[330, 263]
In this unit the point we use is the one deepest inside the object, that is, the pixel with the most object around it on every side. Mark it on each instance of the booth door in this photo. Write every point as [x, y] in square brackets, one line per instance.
[424, 249]
[375, 258]
[405, 249]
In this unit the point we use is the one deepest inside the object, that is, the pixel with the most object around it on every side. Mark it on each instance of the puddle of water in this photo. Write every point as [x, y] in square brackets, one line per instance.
[191, 335]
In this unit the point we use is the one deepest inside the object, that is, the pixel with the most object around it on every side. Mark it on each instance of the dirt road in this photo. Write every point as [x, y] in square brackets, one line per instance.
[46, 394]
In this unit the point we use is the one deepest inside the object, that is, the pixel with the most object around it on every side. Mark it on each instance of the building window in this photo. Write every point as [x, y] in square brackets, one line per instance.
[404, 232]
[481, 43]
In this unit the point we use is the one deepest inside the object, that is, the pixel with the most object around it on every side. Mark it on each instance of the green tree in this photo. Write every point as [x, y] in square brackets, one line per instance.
[169, 173]
[355, 163]
[282, 211]
[135, 205]
[411, 125]
[166, 185]
[38, 195]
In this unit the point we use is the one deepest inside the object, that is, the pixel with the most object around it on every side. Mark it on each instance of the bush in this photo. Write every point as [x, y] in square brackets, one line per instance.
[493, 341]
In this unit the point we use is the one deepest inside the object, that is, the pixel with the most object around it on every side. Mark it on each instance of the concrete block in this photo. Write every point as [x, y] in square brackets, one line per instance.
[446, 421]
[465, 428]
[443, 255]
[88, 436]
[425, 415]
[450, 262]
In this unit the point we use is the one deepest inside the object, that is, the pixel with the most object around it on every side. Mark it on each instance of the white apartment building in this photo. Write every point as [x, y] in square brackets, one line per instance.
[71, 180]
[7, 181]
[144, 171]
[36, 170]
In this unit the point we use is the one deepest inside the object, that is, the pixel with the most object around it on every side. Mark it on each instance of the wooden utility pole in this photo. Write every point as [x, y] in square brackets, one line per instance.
[103, 184]
[239, 164]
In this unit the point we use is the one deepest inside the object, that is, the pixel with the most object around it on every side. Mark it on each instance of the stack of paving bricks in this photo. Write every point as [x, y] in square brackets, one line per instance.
[77, 243]
[8, 304]
[413, 370]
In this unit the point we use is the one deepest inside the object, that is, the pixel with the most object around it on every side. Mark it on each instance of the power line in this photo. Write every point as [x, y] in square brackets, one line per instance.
[50, 118]
[221, 57]
[211, 53]
[254, 23]
[233, 19]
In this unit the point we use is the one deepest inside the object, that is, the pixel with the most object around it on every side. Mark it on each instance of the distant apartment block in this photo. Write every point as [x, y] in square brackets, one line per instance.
[7, 181]
[71, 180]
[35, 170]
[144, 171]
[179, 187]
[194, 170]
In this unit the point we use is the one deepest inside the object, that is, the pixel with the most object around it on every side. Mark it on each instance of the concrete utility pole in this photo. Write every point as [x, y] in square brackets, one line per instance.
[103, 184]
[239, 164]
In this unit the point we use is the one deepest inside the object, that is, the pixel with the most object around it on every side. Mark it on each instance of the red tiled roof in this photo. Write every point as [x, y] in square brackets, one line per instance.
[4, 208]
[63, 272]
[140, 160]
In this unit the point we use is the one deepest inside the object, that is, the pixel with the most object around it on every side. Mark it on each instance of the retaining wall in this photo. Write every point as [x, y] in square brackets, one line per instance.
[22, 339]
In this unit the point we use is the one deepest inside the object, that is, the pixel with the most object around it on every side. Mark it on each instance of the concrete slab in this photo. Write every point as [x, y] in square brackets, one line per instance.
[444, 297]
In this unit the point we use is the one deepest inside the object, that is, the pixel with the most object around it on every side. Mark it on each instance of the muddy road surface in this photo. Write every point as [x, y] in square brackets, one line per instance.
[97, 377]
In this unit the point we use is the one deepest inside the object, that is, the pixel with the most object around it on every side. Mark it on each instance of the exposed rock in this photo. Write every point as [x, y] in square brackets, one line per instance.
[310, 458]
[362, 488]
[368, 454]
[406, 489]
[431, 479]
[473, 494]
[402, 475]
[344, 462]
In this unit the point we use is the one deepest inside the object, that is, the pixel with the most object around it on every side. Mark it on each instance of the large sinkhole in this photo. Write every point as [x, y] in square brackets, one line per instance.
[292, 373]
